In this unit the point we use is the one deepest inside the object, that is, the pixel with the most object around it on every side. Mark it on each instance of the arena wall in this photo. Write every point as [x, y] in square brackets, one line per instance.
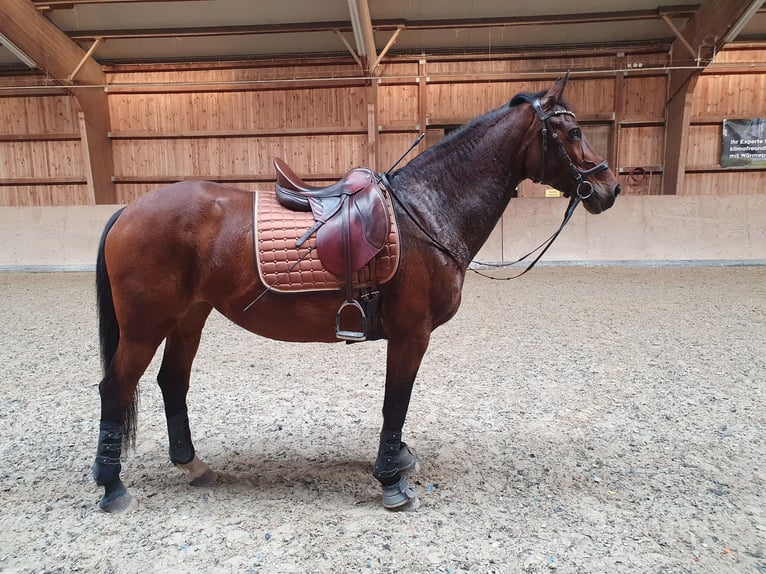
[637, 230]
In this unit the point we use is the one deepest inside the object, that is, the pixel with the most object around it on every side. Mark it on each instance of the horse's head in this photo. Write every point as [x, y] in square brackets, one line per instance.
[559, 155]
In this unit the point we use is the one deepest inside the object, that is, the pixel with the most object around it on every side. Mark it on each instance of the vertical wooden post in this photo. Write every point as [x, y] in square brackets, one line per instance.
[422, 96]
[677, 120]
[97, 151]
[619, 113]
[372, 125]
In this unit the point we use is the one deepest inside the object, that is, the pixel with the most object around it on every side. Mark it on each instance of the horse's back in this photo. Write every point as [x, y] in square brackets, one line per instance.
[190, 202]
[167, 244]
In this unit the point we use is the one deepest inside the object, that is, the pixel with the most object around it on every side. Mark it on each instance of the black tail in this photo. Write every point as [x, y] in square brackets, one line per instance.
[108, 328]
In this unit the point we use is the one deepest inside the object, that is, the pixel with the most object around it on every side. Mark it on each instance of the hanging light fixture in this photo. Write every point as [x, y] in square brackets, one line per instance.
[16, 51]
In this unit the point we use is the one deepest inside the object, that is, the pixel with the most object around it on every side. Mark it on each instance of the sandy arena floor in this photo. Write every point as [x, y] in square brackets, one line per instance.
[580, 419]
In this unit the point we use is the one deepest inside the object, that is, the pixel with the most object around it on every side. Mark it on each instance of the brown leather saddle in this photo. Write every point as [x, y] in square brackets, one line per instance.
[352, 224]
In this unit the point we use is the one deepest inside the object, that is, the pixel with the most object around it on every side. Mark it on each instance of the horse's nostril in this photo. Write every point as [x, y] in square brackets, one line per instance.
[617, 190]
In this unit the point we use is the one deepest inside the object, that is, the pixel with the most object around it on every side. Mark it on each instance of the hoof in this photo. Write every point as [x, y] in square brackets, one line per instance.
[407, 461]
[400, 496]
[198, 473]
[116, 499]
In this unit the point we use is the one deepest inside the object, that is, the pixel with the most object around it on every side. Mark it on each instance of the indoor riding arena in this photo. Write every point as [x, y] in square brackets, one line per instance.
[600, 411]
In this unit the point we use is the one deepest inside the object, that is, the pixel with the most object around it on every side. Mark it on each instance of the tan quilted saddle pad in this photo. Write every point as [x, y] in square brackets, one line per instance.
[288, 269]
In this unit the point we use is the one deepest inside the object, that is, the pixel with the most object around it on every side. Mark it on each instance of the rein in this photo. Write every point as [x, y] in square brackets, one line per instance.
[578, 174]
[573, 203]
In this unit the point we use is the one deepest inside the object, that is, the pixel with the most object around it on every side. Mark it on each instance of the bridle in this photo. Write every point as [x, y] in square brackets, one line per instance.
[578, 174]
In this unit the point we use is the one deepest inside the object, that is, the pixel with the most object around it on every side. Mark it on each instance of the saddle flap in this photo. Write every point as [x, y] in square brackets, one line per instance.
[368, 223]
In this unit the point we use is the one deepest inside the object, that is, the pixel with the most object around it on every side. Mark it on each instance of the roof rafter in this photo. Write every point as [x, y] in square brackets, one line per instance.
[388, 24]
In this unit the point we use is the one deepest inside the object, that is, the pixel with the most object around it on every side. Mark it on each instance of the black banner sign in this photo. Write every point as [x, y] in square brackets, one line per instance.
[744, 143]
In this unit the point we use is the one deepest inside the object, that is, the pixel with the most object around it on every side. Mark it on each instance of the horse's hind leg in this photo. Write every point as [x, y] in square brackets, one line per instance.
[180, 348]
[117, 390]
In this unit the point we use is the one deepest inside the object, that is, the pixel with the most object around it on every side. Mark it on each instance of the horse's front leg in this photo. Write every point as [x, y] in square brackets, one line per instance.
[394, 456]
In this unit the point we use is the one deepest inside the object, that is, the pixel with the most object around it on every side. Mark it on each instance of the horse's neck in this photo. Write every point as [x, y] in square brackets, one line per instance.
[460, 188]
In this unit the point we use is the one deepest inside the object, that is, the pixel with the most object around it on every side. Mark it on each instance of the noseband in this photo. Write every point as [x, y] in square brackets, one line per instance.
[578, 174]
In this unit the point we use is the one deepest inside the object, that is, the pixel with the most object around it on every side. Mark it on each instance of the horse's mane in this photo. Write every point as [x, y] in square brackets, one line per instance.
[450, 139]
[473, 123]
[482, 120]
[517, 100]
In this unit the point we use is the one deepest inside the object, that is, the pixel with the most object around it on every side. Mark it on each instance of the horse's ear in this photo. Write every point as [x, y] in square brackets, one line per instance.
[553, 96]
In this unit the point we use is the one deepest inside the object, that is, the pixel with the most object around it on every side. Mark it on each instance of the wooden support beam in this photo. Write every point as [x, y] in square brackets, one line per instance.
[619, 112]
[387, 47]
[57, 56]
[85, 58]
[349, 48]
[372, 126]
[302, 131]
[679, 35]
[362, 24]
[380, 25]
[422, 95]
[678, 112]
[47, 5]
[40, 137]
[704, 35]
[234, 178]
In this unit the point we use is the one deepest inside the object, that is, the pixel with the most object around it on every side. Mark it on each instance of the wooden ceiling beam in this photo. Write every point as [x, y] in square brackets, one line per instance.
[368, 38]
[48, 5]
[387, 24]
[58, 57]
[201, 31]
[706, 33]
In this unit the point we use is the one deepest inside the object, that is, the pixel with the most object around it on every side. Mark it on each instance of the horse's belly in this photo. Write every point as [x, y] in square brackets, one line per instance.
[305, 317]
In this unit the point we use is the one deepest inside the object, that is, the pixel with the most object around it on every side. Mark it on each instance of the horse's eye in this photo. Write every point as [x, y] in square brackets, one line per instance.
[575, 134]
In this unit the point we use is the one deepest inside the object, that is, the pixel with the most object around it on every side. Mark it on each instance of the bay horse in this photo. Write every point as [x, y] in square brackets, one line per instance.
[176, 253]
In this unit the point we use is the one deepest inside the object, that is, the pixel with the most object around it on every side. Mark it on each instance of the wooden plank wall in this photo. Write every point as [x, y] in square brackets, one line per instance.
[733, 89]
[41, 160]
[227, 121]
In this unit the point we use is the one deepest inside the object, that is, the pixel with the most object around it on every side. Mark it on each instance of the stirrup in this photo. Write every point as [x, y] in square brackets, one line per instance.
[346, 335]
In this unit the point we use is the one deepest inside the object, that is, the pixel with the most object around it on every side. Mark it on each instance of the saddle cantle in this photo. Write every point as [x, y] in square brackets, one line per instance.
[351, 216]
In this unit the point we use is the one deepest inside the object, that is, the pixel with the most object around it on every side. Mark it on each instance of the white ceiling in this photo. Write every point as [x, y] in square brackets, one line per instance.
[187, 30]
